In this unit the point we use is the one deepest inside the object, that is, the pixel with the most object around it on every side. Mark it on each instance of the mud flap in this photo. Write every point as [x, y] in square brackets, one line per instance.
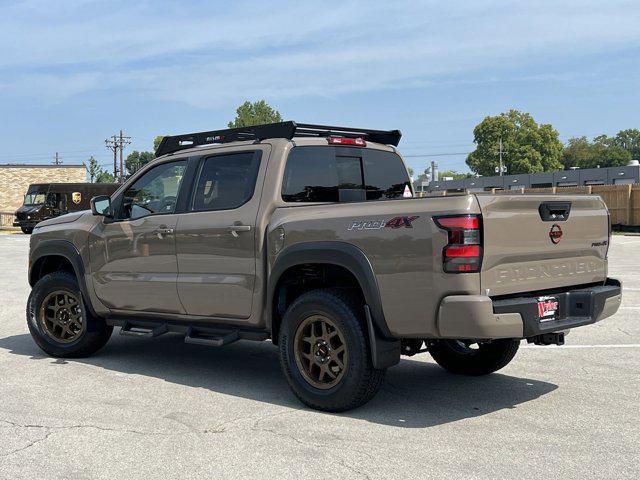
[384, 353]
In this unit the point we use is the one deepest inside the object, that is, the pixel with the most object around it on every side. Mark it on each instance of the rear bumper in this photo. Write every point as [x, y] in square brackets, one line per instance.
[480, 317]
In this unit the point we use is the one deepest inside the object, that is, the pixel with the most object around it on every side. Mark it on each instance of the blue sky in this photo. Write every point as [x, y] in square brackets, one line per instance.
[73, 73]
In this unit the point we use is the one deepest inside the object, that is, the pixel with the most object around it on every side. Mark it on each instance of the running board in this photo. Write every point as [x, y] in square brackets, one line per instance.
[214, 335]
[198, 336]
[148, 332]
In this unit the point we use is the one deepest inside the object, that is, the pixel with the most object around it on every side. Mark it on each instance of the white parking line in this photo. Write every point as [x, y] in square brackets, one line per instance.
[623, 345]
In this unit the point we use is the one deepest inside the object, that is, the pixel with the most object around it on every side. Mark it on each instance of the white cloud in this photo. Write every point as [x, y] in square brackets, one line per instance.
[206, 54]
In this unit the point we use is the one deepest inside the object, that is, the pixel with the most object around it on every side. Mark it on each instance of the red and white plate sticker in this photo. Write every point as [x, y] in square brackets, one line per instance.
[547, 307]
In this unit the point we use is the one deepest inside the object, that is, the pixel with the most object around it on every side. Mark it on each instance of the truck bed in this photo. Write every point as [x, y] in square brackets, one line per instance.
[405, 247]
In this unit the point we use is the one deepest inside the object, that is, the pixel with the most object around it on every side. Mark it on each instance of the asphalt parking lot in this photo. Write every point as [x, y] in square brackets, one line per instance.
[164, 409]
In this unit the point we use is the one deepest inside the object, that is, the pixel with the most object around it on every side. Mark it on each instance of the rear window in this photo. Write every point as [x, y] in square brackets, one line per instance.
[343, 174]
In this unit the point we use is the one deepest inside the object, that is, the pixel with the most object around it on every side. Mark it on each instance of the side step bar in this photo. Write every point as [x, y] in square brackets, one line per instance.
[131, 330]
[213, 335]
[202, 337]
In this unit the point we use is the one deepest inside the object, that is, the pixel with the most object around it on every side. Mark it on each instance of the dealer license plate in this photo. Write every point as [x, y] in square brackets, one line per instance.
[547, 308]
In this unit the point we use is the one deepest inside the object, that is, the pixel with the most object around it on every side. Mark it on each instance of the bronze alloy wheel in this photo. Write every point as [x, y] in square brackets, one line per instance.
[61, 316]
[321, 352]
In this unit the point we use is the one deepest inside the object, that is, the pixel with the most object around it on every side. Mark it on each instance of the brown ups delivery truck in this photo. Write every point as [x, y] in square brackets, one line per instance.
[48, 200]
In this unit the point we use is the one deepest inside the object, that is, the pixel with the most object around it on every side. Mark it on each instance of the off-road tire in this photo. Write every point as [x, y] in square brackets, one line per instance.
[487, 358]
[95, 333]
[360, 380]
[27, 230]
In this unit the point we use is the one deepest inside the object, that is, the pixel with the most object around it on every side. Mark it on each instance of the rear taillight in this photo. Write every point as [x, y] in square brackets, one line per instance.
[463, 252]
[359, 142]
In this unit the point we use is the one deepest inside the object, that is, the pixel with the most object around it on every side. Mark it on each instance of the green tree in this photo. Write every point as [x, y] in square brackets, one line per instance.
[628, 140]
[578, 153]
[93, 168]
[105, 177]
[602, 152]
[454, 174]
[257, 113]
[616, 156]
[410, 170]
[156, 142]
[136, 160]
[527, 147]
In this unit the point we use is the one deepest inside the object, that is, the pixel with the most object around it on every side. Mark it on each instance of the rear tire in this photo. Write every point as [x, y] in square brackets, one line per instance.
[27, 230]
[59, 320]
[324, 352]
[457, 357]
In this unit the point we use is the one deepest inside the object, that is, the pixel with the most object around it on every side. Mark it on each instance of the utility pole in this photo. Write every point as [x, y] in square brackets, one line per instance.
[434, 171]
[116, 144]
[56, 160]
[122, 142]
[112, 144]
[501, 168]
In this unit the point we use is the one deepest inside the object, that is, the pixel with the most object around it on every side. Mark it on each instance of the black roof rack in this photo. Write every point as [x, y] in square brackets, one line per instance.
[288, 130]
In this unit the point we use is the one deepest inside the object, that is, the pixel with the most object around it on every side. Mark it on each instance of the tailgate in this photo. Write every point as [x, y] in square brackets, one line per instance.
[529, 245]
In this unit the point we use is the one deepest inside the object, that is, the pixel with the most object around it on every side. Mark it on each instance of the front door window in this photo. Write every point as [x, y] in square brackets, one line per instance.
[155, 192]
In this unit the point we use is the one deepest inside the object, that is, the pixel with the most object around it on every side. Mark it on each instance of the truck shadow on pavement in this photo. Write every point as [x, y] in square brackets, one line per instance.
[416, 393]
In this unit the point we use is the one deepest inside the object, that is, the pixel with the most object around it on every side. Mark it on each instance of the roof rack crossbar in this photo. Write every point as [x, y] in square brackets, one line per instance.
[289, 130]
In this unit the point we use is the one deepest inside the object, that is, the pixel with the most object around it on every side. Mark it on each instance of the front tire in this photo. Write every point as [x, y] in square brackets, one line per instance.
[324, 352]
[59, 321]
[459, 357]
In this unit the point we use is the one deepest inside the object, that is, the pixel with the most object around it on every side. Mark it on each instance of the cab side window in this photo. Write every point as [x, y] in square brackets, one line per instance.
[226, 181]
[155, 192]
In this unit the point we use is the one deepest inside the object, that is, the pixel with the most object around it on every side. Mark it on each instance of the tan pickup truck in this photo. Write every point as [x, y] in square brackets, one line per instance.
[310, 236]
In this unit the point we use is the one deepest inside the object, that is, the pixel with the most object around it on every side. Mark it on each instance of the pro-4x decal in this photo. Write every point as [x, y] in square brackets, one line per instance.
[399, 222]
[395, 223]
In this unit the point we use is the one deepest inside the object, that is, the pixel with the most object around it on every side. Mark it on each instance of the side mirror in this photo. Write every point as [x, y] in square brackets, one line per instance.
[101, 206]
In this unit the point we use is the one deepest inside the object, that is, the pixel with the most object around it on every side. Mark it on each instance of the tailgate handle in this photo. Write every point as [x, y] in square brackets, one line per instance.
[554, 211]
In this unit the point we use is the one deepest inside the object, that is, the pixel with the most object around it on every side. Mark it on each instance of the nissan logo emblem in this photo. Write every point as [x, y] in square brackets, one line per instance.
[555, 234]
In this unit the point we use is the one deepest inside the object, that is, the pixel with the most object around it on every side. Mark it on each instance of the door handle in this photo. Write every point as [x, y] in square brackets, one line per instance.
[234, 229]
[162, 231]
